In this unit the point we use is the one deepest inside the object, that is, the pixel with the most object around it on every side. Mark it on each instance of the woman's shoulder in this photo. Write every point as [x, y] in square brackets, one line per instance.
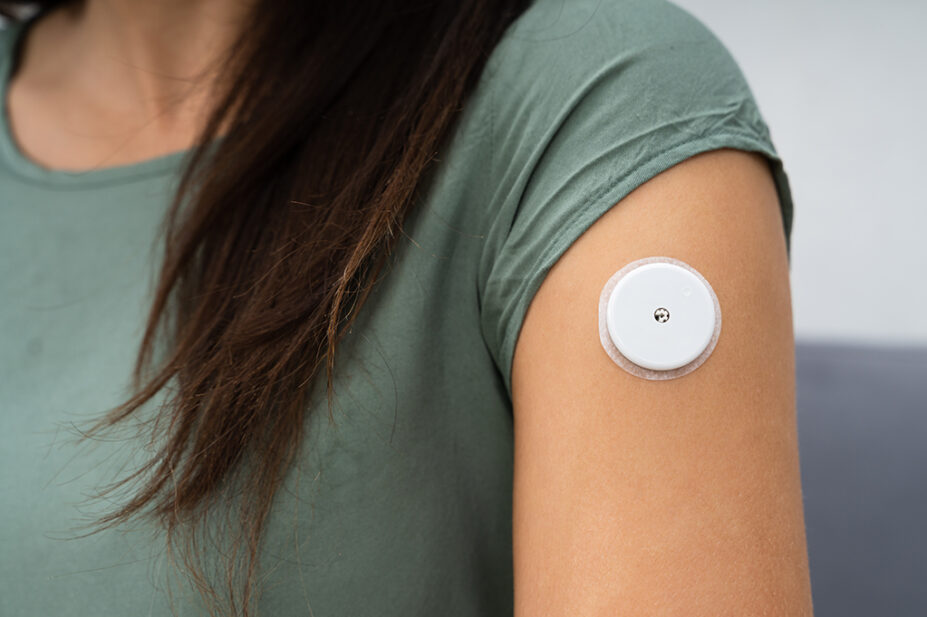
[565, 43]
[589, 99]
[646, 67]
[570, 21]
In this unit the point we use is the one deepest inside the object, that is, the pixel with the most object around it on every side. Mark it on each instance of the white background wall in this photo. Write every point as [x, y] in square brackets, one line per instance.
[842, 85]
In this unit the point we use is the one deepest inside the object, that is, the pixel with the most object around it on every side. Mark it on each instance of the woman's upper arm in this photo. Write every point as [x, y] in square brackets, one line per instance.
[674, 497]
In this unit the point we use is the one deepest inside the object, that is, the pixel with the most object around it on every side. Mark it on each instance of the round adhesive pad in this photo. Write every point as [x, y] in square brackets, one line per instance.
[659, 318]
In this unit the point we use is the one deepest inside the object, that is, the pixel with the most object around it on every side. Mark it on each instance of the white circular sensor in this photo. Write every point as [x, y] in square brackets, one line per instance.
[660, 315]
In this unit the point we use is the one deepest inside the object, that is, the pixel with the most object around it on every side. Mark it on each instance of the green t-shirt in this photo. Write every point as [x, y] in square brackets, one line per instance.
[403, 506]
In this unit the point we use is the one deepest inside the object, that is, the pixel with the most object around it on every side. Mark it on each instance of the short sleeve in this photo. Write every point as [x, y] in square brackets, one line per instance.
[590, 99]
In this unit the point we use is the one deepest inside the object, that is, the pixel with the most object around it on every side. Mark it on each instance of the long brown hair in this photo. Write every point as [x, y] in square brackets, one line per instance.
[336, 112]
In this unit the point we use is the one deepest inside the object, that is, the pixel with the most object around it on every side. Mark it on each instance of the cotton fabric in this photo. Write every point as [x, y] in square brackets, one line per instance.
[402, 505]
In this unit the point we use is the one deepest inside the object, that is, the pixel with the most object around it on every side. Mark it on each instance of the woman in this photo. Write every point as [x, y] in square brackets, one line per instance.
[341, 402]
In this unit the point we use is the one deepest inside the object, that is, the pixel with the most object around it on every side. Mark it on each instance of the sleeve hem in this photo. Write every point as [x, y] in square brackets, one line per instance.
[609, 194]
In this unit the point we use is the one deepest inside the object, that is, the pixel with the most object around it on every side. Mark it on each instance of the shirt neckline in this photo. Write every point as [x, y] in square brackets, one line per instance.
[13, 158]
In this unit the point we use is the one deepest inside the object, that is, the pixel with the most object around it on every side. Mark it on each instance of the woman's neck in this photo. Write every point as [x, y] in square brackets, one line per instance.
[119, 80]
[154, 48]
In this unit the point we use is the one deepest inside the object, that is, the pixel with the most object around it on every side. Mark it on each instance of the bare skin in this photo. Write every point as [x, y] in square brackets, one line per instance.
[114, 82]
[659, 498]
[631, 497]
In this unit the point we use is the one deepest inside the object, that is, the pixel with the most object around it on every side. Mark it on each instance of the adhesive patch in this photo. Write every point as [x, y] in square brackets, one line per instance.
[659, 318]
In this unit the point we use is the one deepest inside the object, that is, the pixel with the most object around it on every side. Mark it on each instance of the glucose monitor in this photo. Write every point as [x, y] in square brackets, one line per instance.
[658, 318]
